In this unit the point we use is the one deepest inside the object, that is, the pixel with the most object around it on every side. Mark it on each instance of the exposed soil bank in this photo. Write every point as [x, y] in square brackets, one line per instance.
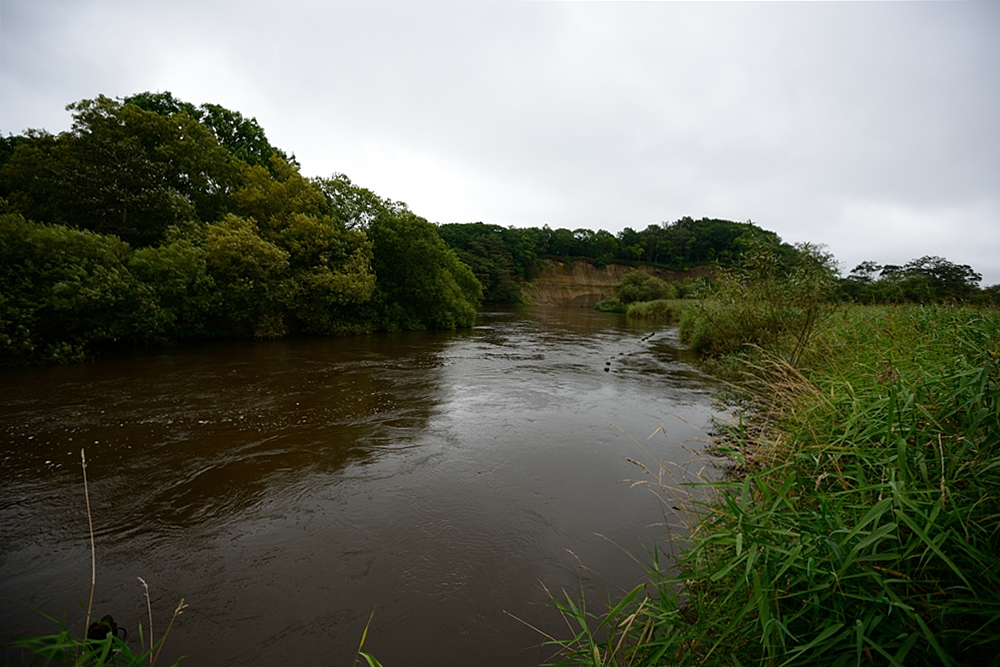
[579, 283]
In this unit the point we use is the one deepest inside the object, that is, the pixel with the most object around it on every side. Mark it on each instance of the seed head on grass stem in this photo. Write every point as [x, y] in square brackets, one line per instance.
[149, 610]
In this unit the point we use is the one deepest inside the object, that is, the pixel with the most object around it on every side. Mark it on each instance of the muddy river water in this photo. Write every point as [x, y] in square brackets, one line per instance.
[286, 489]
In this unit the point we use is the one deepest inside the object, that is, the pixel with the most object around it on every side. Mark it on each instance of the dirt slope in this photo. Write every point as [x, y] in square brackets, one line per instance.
[579, 283]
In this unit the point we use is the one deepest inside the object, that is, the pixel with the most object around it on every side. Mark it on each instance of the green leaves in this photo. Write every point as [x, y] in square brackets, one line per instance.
[863, 526]
[153, 219]
[421, 282]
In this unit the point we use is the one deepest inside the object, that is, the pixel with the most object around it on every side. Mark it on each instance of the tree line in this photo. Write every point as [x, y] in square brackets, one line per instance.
[153, 220]
[502, 257]
[928, 279]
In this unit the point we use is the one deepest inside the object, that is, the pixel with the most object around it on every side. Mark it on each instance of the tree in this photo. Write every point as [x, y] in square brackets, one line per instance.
[120, 170]
[64, 291]
[944, 279]
[249, 273]
[242, 137]
[641, 286]
[354, 206]
[421, 282]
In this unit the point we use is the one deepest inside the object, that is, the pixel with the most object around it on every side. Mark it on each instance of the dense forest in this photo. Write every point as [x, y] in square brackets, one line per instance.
[153, 220]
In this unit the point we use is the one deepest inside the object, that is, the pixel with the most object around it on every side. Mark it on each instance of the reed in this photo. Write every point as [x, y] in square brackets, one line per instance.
[78, 651]
[668, 310]
[861, 521]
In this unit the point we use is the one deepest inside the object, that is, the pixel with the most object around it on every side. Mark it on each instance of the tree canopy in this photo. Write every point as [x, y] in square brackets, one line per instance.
[926, 279]
[152, 219]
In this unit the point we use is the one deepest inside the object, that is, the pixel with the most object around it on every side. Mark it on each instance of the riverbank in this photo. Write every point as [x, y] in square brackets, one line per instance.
[861, 522]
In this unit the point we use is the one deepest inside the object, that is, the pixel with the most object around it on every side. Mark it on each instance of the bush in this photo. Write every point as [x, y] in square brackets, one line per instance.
[640, 286]
[63, 291]
[661, 309]
[612, 305]
[760, 304]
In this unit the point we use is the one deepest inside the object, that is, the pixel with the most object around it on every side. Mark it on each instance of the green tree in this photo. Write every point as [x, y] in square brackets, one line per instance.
[421, 281]
[641, 286]
[63, 292]
[242, 137]
[330, 274]
[354, 206]
[249, 273]
[120, 170]
[177, 273]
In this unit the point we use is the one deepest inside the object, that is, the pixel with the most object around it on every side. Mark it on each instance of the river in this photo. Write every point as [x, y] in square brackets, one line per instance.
[286, 489]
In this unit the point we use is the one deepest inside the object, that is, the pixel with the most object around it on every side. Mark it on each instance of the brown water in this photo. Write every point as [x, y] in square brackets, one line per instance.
[286, 489]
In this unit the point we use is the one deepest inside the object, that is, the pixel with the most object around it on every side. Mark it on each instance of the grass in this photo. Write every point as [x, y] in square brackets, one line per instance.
[662, 309]
[100, 644]
[861, 522]
[669, 310]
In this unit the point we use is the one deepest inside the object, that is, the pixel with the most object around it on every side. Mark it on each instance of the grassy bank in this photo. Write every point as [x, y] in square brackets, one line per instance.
[861, 524]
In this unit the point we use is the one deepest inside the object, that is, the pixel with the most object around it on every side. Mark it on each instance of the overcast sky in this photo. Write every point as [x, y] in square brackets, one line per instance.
[873, 128]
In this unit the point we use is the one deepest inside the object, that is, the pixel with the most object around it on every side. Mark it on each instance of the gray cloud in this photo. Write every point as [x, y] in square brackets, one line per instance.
[866, 126]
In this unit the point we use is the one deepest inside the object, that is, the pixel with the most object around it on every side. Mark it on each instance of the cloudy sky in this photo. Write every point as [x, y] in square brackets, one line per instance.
[873, 128]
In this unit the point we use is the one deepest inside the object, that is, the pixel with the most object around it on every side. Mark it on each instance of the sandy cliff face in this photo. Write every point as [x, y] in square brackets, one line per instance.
[579, 283]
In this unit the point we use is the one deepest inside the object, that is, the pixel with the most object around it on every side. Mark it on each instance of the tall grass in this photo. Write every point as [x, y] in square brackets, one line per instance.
[668, 310]
[862, 522]
[100, 644]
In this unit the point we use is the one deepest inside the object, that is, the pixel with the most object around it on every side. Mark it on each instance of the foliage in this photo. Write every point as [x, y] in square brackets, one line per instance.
[65, 648]
[501, 256]
[862, 524]
[63, 291]
[641, 286]
[612, 305]
[120, 170]
[497, 256]
[154, 220]
[923, 280]
[421, 282]
[669, 310]
[767, 302]
[242, 138]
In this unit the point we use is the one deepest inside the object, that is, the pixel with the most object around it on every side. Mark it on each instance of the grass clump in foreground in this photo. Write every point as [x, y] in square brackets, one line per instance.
[100, 644]
[862, 524]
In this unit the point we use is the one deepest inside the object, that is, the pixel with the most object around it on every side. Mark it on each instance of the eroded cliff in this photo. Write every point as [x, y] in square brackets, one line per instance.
[578, 283]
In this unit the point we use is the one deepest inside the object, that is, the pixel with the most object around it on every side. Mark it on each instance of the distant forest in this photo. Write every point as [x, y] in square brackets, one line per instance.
[499, 256]
[152, 220]
[502, 258]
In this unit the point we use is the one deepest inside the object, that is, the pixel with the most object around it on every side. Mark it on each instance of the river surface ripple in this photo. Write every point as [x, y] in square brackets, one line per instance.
[286, 489]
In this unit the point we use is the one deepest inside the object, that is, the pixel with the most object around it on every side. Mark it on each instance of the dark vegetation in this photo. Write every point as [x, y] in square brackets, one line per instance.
[152, 220]
[859, 522]
[502, 258]
[923, 280]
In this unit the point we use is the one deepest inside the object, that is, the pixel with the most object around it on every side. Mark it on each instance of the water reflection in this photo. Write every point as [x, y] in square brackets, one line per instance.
[287, 488]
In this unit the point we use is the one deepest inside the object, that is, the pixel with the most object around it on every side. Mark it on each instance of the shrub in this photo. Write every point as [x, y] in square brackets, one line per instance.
[640, 286]
[612, 305]
[763, 305]
[661, 309]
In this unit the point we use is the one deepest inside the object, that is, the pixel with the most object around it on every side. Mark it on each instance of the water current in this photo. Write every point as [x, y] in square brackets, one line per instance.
[286, 489]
